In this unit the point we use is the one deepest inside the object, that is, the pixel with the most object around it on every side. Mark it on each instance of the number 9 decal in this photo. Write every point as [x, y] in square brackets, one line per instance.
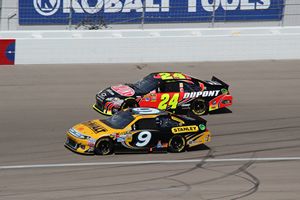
[145, 111]
[143, 138]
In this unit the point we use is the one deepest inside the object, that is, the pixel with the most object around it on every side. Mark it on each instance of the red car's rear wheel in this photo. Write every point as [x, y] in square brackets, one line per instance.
[199, 107]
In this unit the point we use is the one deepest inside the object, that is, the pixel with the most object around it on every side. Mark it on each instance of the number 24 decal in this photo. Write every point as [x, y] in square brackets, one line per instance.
[168, 76]
[166, 101]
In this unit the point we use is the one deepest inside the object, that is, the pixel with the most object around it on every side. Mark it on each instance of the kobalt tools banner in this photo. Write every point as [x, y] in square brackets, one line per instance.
[152, 11]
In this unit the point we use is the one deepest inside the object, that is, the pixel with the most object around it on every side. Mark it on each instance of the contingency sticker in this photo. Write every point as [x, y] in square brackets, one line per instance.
[185, 129]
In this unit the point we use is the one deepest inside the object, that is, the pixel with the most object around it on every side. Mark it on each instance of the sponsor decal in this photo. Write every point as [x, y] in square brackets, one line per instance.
[224, 91]
[91, 142]
[123, 90]
[202, 86]
[46, 7]
[156, 11]
[80, 128]
[95, 127]
[110, 91]
[101, 96]
[153, 97]
[191, 142]
[159, 145]
[211, 93]
[186, 105]
[207, 138]
[202, 127]
[124, 137]
[185, 129]
[121, 139]
[100, 99]
[128, 137]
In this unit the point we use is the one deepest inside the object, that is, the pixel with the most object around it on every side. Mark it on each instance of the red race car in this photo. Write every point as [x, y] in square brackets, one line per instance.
[172, 91]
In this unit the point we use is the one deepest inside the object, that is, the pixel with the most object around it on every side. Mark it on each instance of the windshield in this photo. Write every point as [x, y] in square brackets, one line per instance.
[119, 120]
[146, 84]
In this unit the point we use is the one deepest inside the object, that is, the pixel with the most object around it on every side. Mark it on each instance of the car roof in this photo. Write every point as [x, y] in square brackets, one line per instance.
[147, 111]
[158, 74]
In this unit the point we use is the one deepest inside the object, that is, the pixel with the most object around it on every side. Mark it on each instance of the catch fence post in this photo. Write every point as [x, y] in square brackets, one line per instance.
[70, 14]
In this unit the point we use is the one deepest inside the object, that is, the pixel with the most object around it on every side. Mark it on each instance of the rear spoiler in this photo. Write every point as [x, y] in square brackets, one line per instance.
[219, 81]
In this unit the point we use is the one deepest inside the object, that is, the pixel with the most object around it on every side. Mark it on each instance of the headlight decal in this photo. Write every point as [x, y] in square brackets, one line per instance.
[77, 134]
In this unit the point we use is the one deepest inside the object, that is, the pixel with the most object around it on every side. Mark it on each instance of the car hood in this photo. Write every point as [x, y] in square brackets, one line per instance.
[94, 128]
[121, 91]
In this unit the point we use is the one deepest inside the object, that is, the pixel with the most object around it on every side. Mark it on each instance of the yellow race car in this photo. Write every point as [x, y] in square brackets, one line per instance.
[138, 130]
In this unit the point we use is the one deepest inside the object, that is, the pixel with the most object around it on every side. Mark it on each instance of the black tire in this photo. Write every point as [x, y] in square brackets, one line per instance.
[177, 144]
[199, 107]
[104, 146]
[129, 104]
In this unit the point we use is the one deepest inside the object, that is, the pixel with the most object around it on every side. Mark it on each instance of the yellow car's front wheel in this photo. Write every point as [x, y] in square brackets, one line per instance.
[104, 146]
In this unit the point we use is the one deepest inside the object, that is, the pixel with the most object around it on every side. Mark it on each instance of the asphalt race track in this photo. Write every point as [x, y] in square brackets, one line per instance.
[39, 103]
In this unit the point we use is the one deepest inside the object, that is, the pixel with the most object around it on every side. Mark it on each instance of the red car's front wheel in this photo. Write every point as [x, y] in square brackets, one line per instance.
[129, 104]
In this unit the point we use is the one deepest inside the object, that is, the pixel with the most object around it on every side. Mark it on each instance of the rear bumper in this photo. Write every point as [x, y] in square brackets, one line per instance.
[221, 101]
[199, 139]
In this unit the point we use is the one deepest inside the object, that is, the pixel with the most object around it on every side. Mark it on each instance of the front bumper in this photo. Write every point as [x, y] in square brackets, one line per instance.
[100, 109]
[77, 145]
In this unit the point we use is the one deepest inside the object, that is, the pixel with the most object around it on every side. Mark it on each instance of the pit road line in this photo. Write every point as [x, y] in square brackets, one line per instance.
[148, 162]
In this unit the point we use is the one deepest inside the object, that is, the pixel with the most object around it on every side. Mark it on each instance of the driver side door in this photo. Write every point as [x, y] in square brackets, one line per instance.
[145, 133]
[169, 94]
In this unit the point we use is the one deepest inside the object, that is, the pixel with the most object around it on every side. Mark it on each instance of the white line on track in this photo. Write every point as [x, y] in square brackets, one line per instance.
[149, 162]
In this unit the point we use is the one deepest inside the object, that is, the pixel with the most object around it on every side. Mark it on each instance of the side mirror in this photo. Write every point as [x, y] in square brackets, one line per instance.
[158, 89]
[157, 121]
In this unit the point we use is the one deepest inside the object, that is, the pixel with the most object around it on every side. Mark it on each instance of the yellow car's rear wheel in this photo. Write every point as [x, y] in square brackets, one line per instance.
[104, 146]
[177, 144]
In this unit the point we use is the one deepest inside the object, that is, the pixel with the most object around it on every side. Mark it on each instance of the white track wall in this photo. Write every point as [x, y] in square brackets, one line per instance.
[148, 46]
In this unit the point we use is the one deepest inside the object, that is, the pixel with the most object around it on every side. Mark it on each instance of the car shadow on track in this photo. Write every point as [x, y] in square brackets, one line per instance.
[199, 148]
[220, 111]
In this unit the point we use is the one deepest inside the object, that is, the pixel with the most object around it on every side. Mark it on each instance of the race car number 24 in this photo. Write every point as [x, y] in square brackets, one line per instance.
[144, 138]
[167, 101]
[169, 76]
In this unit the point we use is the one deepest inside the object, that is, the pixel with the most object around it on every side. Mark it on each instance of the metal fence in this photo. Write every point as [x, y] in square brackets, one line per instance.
[103, 14]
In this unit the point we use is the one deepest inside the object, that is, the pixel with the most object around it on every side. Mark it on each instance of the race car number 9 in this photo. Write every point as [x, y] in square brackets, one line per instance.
[143, 138]
[145, 111]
